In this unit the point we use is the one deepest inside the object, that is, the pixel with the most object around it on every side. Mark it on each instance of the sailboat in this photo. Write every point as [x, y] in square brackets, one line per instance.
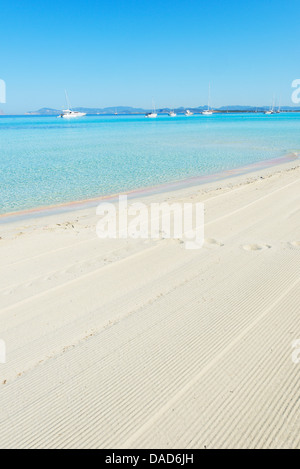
[69, 113]
[279, 109]
[153, 114]
[207, 112]
[188, 113]
[271, 110]
[172, 113]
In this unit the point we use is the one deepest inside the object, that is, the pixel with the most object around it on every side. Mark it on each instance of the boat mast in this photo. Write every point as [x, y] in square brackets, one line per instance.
[67, 101]
[208, 102]
[153, 106]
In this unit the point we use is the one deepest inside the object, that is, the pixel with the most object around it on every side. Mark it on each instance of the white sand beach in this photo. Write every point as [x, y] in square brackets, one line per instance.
[144, 344]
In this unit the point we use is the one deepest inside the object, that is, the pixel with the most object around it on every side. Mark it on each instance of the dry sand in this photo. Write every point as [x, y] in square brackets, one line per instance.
[144, 344]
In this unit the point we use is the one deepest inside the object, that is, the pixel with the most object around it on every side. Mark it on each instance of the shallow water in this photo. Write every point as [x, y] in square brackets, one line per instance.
[46, 161]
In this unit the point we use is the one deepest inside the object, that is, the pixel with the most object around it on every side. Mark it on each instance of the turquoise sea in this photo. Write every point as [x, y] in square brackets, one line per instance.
[46, 160]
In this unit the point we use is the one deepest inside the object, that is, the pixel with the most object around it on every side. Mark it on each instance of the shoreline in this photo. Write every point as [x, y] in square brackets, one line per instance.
[177, 185]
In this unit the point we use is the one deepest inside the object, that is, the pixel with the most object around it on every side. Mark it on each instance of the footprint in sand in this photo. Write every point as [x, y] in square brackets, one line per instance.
[174, 240]
[256, 247]
[295, 244]
[213, 242]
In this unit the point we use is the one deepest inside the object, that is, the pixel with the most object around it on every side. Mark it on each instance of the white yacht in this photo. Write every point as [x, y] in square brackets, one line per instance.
[69, 113]
[153, 114]
[188, 113]
[172, 114]
[208, 111]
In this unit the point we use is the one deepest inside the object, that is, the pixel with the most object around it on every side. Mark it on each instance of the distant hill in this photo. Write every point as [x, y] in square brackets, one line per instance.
[111, 110]
[108, 110]
[45, 111]
[255, 108]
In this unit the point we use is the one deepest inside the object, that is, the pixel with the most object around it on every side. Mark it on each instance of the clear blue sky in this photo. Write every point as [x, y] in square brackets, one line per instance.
[124, 52]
